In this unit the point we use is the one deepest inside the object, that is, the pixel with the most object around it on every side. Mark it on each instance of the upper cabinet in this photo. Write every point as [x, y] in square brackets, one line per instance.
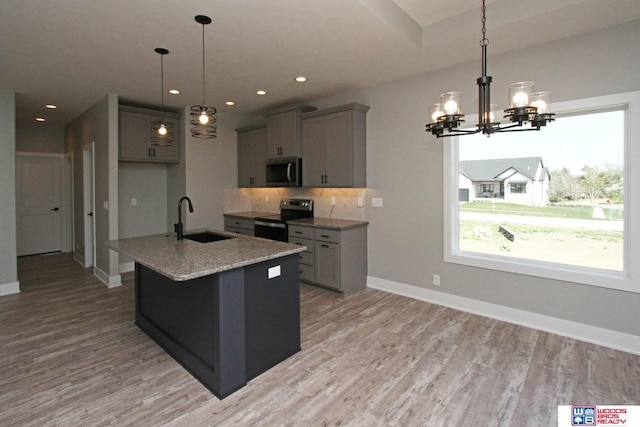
[283, 131]
[137, 128]
[333, 147]
[252, 156]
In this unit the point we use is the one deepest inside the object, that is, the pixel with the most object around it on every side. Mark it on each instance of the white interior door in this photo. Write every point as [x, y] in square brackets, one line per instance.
[38, 205]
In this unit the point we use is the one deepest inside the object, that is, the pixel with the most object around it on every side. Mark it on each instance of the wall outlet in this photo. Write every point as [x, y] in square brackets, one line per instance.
[333, 200]
[376, 202]
[105, 204]
[436, 279]
[360, 202]
[134, 201]
[266, 197]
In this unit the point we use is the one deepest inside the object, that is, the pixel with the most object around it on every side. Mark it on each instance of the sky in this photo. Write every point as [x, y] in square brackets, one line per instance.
[595, 139]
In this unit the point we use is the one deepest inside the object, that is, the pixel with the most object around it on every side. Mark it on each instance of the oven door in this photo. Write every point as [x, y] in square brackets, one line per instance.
[270, 230]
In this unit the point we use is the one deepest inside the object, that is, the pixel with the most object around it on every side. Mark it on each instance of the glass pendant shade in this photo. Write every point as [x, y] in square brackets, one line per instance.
[451, 102]
[520, 94]
[435, 112]
[542, 101]
[202, 117]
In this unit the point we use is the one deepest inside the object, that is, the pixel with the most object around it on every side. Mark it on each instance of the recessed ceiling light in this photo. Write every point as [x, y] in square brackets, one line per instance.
[261, 92]
[230, 103]
[51, 106]
[174, 91]
[40, 119]
[301, 79]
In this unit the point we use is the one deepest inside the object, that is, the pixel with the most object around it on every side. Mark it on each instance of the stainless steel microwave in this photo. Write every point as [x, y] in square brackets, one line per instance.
[285, 172]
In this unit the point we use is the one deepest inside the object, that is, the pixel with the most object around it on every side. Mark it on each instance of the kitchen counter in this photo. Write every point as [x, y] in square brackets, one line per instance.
[182, 260]
[226, 310]
[331, 223]
[248, 214]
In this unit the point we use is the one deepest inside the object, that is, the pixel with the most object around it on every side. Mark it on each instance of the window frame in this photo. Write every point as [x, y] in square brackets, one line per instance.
[626, 280]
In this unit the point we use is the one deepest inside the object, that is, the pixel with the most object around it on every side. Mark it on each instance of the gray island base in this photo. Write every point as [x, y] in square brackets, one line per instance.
[225, 327]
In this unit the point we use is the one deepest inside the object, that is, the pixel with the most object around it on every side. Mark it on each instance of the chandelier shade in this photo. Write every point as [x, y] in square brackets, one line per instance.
[202, 117]
[525, 105]
[162, 131]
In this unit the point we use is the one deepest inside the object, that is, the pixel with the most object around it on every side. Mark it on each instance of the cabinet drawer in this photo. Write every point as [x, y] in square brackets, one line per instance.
[327, 235]
[239, 231]
[306, 258]
[299, 231]
[302, 242]
[247, 224]
[307, 273]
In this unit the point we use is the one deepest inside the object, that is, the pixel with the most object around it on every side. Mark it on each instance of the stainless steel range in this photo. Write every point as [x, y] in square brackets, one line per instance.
[275, 227]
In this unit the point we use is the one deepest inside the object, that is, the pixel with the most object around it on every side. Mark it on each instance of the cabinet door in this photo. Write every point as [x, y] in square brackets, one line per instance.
[134, 136]
[166, 153]
[260, 168]
[312, 152]
[274, 136]
[289, 129]
[338, 150]
[246, 159]
[327, 264]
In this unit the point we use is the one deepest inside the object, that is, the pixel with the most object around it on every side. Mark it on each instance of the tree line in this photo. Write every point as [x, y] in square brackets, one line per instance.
[592, 183]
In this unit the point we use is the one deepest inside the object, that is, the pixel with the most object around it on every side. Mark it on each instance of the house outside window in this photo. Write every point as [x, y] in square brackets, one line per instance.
[548, 187]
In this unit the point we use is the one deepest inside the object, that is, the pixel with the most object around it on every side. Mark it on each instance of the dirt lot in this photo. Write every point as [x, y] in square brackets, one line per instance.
[589, 249]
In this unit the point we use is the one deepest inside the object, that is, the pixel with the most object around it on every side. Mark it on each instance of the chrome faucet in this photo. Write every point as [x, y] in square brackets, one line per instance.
[179, 227]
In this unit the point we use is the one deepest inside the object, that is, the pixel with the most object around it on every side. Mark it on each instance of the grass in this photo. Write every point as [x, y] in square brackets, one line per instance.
[575, 212]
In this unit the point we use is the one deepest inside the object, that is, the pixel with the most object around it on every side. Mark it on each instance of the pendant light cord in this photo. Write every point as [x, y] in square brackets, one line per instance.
[162, 84]
[203, 64]
[484, 40]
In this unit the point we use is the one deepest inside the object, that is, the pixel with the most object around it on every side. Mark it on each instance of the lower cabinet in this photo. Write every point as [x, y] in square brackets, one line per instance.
[239, 225]
[335, 259]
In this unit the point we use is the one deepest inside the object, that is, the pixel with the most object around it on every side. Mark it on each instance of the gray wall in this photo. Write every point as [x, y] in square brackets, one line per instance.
[147, 183]
[39, 138]
[8, 264]
[405, 167]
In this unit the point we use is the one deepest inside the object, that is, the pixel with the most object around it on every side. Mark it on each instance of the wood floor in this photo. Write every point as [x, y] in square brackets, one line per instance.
[70, 355]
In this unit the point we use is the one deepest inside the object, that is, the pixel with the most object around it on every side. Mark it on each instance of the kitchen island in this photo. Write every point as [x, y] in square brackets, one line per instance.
[226, 310]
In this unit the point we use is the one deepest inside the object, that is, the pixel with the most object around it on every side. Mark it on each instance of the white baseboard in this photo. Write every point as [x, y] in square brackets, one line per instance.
[592, 334]
[79, 258]
[110, 281]
[126, 267]
[9, 288]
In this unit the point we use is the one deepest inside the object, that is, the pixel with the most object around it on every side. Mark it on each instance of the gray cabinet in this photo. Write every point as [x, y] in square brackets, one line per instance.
[252, 156]
[136, 129]
[333, 147]
[283, 131]
[239, 225]
[334, 259]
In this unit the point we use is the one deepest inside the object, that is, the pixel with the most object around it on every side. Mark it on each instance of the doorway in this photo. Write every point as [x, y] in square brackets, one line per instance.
[88, 207]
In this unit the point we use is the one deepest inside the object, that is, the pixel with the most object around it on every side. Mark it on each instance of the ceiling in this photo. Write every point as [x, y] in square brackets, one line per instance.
[73, 52]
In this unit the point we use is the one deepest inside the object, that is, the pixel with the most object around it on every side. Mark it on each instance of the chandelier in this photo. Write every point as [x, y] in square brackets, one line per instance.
[525, 105]
[162, 130]
[202, 117]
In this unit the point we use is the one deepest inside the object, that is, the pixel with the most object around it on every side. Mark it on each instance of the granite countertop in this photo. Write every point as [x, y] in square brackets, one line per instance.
[182, 260]
[333, 223]
[248, 214]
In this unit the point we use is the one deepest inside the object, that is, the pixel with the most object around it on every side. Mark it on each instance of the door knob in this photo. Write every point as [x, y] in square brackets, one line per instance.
[54, 209]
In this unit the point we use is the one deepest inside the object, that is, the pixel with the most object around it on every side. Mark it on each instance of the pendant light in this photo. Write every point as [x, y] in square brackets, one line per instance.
[525, 106]
[203, 118]
[162, 131]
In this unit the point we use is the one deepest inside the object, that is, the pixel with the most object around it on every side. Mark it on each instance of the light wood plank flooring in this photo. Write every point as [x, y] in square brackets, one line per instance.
[72, 356]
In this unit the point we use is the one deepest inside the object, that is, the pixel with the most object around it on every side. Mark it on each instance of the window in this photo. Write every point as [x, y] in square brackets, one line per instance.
[487, 188]
[518, 188]
[566, 213]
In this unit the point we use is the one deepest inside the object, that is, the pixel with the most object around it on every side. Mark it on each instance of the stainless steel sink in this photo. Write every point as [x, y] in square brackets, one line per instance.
[206, 237]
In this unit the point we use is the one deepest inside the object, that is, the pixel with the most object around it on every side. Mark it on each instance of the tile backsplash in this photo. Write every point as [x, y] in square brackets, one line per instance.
[268, 200]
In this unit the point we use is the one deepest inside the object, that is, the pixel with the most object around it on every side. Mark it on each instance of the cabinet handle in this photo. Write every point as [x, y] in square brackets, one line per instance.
[149, 151]
[298, 232]
[326, 236]
[326, 180]
[324, 246]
